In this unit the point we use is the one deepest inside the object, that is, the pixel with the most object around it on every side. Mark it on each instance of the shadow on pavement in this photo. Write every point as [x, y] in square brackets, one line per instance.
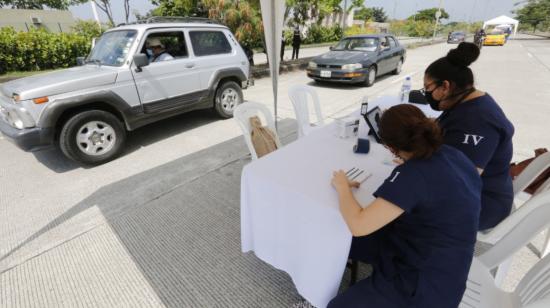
[54, 159]
[180, 224]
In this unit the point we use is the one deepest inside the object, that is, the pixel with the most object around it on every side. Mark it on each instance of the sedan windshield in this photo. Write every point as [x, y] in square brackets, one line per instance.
[368, 44]
[112, 48]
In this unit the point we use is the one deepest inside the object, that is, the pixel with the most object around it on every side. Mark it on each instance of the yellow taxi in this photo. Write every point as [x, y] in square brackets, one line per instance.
[495, 37]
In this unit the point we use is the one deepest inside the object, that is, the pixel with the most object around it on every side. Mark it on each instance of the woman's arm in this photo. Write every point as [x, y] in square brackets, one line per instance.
[362, 221]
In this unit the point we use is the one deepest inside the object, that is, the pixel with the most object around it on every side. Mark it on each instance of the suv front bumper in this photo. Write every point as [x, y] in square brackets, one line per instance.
[28, 139]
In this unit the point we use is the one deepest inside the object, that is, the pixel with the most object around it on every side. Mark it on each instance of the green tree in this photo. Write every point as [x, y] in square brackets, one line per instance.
[88, 28]
[534, 13]
[379, 15]
[302, 10]
[180, 8]
[364, 13]
[241, 17]
[39, 4]
[429, 15]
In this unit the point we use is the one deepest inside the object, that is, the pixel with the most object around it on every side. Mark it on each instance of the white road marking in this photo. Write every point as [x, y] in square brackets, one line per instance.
[529, 54]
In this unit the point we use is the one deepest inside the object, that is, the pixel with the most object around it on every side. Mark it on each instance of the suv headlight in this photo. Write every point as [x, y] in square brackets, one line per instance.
[354, 66]
[312, 65]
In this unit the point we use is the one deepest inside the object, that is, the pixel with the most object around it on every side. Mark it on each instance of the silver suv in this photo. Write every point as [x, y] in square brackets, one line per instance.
[120, 86]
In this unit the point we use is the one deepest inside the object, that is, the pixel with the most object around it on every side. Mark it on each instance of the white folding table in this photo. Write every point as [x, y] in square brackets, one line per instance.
[289, 210]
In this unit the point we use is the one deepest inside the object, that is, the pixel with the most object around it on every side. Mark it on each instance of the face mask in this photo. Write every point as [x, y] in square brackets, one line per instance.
[431, 100]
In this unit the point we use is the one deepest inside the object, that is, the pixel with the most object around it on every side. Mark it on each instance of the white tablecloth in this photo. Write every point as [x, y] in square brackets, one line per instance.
[289, 210]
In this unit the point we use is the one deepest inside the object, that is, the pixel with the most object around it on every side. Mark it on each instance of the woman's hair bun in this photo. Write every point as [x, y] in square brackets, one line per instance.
[464, 55]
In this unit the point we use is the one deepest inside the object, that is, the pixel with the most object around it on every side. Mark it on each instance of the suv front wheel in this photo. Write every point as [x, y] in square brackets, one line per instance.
[228, 96]
[92, 137]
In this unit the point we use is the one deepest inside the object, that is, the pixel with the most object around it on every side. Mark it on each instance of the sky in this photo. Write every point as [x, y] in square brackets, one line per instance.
[459, 10]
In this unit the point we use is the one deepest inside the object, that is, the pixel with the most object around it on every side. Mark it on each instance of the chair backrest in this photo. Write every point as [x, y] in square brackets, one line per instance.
[299, 97]
[482, 292]
[242, 115]
[530, 173]
[533, 290]
[534, 287]
[518, 229]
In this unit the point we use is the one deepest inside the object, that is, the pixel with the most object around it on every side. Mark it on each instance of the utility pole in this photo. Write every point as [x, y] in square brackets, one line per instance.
[94, 9]
[394, 9]
[437, 16]
[344, 16]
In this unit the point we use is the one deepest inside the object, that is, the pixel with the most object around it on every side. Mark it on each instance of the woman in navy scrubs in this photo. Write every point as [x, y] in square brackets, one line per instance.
[474, 123]
[419, 232]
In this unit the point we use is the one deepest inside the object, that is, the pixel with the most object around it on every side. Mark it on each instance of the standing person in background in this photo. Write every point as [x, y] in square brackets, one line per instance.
[507, 33]
[296, 41]
[474, 123]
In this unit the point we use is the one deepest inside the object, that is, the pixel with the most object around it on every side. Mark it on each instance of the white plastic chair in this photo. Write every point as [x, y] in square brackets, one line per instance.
[299, 97]
[517, 230]
[242, 115]
[532, 291]
[482, 290]
[531, 172]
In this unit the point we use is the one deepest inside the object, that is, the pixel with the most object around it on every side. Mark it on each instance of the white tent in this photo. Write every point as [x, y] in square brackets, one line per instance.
[273, 16]
[502, 20]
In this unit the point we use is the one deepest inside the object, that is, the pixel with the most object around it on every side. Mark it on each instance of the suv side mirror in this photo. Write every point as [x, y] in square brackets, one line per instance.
[80, 61]
[331, 48]
[140, 60]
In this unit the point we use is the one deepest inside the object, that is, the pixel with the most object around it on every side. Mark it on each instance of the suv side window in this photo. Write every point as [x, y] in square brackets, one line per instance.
[173, 41]
[393, 44]
[206, 43]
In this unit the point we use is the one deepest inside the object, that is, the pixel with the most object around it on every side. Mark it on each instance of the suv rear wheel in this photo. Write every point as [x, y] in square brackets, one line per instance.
[92, 137]
[228, 96]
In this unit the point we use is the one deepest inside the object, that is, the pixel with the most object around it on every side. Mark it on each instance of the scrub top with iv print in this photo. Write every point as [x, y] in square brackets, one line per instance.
[480, 130]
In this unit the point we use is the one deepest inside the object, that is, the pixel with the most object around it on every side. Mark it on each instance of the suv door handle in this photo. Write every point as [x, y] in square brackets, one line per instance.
[190, 65]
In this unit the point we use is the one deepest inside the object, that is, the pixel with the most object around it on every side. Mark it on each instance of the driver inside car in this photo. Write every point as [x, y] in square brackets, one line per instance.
[158, 52]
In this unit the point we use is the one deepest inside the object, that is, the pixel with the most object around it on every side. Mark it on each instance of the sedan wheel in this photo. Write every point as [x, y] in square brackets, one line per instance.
[398, 68]
[371, 77]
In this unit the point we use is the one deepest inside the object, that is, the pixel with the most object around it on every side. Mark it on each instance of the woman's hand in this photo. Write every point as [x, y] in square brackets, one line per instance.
[340, 181]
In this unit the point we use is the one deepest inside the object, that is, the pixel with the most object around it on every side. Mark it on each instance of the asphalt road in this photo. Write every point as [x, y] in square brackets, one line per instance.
[36, 189]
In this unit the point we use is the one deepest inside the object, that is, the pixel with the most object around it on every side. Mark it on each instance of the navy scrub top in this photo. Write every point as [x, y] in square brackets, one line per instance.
[426, 253]
[480, 130]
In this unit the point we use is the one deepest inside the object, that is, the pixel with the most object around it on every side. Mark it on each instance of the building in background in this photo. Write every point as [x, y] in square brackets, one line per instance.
[24, 20]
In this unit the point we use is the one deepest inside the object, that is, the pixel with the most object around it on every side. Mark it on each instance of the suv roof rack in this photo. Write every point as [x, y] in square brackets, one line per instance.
[168, 19]
[156, 19]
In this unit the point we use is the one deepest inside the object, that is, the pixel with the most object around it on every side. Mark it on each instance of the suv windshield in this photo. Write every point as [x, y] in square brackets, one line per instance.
[368, 44]
[112, 48]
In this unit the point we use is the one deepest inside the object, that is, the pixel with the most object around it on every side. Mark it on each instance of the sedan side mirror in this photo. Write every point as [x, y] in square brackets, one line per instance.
[80, 61]
[140, 60]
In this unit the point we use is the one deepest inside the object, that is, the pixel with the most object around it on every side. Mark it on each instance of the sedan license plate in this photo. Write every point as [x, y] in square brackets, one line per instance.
[325, 74]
